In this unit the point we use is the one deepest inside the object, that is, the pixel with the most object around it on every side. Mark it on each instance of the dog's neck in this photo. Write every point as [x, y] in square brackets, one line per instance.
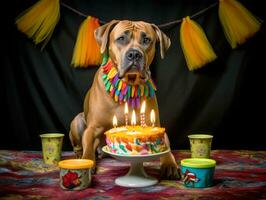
[122, 92]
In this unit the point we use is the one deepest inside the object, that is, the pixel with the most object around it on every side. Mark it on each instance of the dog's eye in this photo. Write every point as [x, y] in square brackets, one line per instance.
[146, 40]
[121, 39]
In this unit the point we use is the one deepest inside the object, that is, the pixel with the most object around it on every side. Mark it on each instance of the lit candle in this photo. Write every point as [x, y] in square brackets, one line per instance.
[126, 114]
[114, 121]
[152, 117]
[142, 114]
[133, 118]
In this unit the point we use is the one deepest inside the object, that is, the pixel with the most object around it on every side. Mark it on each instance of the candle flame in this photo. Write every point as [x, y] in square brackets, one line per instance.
[133, 118]
[143, 106]
[126, 108]
[152, 117]
[114, 121]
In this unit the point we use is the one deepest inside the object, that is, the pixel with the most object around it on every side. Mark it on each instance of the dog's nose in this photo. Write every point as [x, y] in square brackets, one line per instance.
[134, 55]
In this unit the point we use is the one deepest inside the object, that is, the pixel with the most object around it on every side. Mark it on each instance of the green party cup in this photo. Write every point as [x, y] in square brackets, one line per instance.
[200, 145]
[52, 147]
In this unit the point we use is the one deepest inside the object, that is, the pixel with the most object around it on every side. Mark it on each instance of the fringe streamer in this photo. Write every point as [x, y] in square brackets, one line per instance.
[38, 22]
[196, 47]
[120, 91]
[87, 50]
[238, 23]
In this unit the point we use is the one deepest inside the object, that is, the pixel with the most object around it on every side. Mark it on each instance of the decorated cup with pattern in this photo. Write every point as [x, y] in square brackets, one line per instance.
[75, 174]
[52, 147]
[200, 145]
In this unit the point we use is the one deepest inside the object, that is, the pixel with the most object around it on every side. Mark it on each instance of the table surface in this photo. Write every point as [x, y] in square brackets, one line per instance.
[238, 175]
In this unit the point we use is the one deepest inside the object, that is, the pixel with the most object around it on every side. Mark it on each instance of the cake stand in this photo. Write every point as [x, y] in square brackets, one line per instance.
[136, 176]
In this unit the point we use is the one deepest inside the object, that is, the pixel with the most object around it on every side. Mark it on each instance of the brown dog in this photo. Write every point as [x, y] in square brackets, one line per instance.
[131, 47]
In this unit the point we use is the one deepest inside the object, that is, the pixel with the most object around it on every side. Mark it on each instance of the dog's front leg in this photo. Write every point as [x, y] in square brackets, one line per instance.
[90, 143]
[169, 168]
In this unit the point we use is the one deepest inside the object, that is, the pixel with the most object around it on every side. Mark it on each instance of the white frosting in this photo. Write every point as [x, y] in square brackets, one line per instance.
[133, 132]
[119, 129]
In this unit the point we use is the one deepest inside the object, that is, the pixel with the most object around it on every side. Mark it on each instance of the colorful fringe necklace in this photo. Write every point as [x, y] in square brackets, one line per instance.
[120, 91]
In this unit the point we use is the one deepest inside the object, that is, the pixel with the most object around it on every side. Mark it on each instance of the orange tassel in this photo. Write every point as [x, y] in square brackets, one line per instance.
[87, 50]
[238, 23]
[195, 45]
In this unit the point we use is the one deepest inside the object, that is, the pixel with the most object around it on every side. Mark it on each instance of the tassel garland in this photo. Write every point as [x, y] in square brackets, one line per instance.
[87, 50]
[38, 22]
[238, 23]
[196, 47]
[120, 91]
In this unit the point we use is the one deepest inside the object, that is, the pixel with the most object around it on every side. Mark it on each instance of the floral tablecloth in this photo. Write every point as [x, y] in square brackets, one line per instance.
[238, 175]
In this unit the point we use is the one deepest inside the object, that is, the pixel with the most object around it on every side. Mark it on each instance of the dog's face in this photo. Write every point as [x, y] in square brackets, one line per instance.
[131, 47]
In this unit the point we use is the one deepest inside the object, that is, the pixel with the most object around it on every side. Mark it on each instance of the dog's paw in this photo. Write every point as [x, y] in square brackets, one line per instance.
[169, 168]
[170, 172]
[78, 152]
[78, 156]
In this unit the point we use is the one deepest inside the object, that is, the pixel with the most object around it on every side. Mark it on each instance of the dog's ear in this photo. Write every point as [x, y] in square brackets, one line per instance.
[165, 41]
[101, 34]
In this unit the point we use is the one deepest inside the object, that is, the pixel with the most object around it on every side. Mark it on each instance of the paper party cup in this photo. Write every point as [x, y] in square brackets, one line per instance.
[198, 172]
[75, 174]
[200, 145]
[52, 147]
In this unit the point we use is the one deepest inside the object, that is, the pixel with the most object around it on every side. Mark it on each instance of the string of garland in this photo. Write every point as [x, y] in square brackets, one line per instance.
[161, 26]
[38, 22]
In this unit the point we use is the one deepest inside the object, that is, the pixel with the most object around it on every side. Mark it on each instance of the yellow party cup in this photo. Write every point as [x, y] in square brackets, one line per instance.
[200, 145]
[52, 147]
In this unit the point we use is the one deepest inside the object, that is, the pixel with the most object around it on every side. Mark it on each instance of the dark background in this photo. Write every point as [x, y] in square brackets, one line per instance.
[41, 92]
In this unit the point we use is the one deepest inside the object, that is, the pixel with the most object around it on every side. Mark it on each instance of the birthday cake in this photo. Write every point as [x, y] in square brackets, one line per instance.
[136, 140]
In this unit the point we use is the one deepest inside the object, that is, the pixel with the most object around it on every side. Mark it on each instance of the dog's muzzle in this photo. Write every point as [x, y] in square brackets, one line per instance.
[133, 67]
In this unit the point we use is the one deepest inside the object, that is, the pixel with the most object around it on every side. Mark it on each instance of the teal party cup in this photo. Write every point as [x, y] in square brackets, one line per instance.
[198, 172]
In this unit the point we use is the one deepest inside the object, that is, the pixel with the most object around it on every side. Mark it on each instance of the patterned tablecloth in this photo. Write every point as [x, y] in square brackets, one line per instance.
[238, 175]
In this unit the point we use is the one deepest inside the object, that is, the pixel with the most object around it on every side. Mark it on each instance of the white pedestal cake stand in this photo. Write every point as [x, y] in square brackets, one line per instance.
[136, 176]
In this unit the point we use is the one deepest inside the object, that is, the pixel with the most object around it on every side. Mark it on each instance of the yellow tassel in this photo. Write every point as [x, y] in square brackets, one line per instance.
[87, 50]
[238, 23]
[38, 22]
[196, 47]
